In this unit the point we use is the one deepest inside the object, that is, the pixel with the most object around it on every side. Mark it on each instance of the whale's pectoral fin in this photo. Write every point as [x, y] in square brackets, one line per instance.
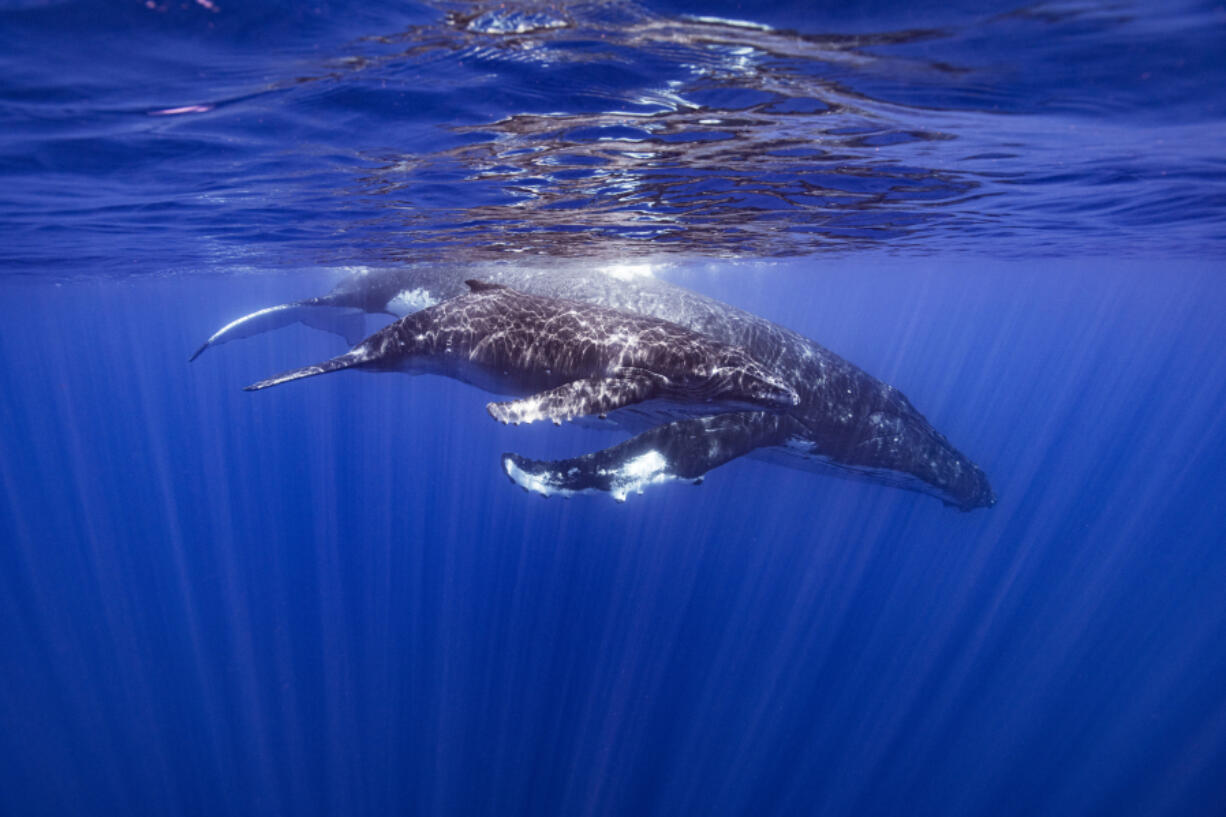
[318, 313]
[349, 360]
[594, 395]
[684, 450]
[254, 323]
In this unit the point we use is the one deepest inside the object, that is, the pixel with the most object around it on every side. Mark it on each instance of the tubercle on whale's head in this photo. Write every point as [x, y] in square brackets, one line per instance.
[959, 482]
[973, 492]
[984, 496]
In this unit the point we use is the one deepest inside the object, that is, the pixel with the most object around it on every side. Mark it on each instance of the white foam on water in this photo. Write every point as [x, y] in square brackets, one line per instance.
[629, 272]
[408, 301]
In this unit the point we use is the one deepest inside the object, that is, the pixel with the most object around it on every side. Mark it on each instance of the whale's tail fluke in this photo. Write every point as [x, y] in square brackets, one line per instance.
[348, 360]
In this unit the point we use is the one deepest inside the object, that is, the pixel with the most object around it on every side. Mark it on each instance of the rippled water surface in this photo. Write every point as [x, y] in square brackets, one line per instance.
[189, 133]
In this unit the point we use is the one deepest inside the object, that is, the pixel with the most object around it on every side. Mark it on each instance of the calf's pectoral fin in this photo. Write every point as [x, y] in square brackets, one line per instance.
[683, 450]
[317, 313]
[254, 323]
[578, 398]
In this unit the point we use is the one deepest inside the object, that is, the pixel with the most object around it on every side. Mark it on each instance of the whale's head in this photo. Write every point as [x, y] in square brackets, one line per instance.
[897, 437]
[943, 471]
[878, 436]
[957, 481]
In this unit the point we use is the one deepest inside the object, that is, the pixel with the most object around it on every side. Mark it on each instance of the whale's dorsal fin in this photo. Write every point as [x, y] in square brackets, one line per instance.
[482, 286]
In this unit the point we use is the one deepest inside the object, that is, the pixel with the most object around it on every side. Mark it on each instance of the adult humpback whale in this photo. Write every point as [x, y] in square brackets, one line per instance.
[563, 359]
[847, 422]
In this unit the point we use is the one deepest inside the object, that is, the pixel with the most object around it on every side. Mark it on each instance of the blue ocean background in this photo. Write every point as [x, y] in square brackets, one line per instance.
[328, 599]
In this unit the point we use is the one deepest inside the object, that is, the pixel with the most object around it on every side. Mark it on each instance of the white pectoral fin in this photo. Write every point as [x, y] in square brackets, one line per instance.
[346, 321]
[348, 360]
[579, 398]
[684, 450]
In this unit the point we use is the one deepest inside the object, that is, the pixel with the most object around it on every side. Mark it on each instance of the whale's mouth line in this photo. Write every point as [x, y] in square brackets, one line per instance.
[798, 452]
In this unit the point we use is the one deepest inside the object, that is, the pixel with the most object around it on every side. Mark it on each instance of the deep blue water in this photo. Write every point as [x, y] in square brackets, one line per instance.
[329, 600]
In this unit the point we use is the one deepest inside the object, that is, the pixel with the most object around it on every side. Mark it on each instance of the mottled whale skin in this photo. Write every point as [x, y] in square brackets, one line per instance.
[847, 423]
[563, 359]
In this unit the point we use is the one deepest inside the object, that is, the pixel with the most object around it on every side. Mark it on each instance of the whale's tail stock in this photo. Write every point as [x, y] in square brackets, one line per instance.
[350, 359]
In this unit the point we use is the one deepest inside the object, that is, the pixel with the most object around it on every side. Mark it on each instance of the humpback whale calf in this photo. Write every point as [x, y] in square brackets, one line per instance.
[847, 423]
[563, 359]
[342, 311]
